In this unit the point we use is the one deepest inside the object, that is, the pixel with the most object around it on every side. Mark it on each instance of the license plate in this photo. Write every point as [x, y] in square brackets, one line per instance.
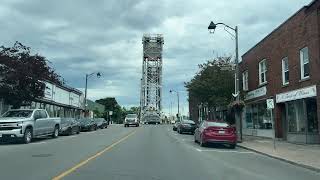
[221, 132]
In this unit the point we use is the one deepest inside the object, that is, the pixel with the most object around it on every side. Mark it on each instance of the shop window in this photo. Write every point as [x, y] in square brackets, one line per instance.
[285, 71]
[263, 71]
[312, 119]
[304, 63]
[258, 117]
[249, 122]
[296, 122]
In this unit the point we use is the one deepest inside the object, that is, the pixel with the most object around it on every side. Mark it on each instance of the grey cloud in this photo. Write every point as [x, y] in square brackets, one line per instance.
[84, 36]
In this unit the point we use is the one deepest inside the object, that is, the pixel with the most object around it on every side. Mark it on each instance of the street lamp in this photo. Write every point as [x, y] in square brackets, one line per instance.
[212, 26]
[98, 74]
[171, 91]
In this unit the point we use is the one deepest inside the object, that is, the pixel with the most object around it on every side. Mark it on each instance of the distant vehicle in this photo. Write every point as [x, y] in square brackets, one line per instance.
[69, 126]
[88, 124]
[172, 121]
[101, 123]
[216, 132]
[152, 119]
[26, 124]
[175, 126]
[131, 120]
[186, 126]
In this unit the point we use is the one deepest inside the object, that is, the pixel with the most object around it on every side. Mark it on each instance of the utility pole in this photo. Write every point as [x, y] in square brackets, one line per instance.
[86, 90]
[212, 26]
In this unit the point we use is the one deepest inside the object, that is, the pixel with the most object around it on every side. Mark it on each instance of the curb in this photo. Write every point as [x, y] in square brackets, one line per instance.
[282, 159]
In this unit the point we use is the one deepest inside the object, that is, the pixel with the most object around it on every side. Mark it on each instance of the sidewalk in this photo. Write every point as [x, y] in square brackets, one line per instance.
[306, 155]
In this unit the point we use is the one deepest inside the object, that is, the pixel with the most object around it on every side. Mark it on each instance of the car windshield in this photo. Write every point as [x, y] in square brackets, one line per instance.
[217, 124]
[18, 113]
[131, 116]
[188, 122]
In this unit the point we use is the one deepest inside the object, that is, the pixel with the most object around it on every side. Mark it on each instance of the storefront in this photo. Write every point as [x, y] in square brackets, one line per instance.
[59, 101]
[256, 117]
[299, 117]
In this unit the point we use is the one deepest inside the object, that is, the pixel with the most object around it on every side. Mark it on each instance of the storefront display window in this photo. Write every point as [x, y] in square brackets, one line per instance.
[296, 121]
[248, 117]
[312, 119]
[258, 117]
[302, 114]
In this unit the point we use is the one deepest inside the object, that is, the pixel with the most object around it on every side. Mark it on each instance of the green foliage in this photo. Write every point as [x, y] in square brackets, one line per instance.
[214, 83]
[111, 104]
[21, 74]
[98, 114]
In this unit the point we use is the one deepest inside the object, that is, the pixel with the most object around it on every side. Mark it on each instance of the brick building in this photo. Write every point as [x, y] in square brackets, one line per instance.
[285, 66]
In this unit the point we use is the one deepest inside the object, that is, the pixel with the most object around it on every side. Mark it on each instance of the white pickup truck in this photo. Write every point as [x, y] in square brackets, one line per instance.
[26, 124]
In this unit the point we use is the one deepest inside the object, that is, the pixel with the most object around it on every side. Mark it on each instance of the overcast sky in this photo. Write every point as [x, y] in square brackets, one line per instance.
[84, 36]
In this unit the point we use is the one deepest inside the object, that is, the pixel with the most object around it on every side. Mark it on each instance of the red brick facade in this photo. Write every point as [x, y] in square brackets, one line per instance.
[299, 31]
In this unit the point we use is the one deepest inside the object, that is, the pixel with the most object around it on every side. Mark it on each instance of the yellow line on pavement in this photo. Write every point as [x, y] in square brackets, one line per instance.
[82, 163]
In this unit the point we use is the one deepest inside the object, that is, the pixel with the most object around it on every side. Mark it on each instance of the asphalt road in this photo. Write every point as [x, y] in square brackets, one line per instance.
[147, 152]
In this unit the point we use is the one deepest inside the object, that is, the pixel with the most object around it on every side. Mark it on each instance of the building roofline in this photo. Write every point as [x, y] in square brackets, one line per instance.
[278, 27]
[65, 87]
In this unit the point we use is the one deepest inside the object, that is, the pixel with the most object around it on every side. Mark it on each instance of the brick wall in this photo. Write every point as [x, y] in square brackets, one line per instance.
[299, 31]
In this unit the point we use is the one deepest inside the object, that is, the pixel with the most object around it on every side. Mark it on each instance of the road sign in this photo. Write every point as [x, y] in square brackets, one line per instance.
[235, 94]
[270, 104]
[110, 113]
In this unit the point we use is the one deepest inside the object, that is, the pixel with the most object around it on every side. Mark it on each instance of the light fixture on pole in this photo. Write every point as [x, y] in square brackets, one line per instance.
[212, 26]
[171, 91]
[98, 74]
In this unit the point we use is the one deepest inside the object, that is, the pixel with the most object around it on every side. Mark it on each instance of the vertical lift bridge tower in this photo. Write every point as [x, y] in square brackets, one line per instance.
[151, 81]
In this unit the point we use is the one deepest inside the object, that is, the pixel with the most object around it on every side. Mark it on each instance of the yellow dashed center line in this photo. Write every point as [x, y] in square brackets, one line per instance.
[82, 163]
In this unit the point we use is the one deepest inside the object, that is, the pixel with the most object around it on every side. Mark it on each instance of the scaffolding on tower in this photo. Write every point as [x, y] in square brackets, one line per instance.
[151, 81]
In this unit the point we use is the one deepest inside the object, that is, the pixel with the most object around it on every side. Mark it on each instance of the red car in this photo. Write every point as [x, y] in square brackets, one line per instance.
[215, 132]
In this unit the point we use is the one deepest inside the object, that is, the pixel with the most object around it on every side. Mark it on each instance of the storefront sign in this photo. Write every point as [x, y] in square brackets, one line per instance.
[297, 94]
[270, 104]
[48, 91]
[256, 93]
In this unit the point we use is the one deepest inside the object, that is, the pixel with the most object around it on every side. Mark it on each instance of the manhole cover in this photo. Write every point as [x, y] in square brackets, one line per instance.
[41, 155]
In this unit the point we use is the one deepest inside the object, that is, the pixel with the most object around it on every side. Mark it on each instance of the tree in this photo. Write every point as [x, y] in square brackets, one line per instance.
[213, 84]
[21, 75]
[111, 104]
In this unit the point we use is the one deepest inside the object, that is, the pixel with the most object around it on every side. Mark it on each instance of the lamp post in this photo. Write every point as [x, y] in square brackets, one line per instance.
[171, 91]
[212, 26]
[86, 88]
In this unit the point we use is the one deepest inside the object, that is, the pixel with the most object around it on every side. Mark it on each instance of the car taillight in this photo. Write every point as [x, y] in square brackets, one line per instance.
[232, 130]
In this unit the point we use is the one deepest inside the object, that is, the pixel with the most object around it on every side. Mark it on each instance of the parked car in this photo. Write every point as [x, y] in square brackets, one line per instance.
[69, 126]
[175, 126]
[216, 132]
[88, 124]
[186, 126]
[26, 124]
[131, 120]
[101, 123]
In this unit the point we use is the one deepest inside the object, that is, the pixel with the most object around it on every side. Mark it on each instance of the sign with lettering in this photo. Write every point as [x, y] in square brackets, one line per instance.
[48, 91]
[270, 104]
[297, 94]
[256, 93]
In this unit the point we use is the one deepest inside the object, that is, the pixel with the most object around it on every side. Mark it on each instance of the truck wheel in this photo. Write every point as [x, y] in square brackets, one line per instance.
[55, 133]
[27, 138]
